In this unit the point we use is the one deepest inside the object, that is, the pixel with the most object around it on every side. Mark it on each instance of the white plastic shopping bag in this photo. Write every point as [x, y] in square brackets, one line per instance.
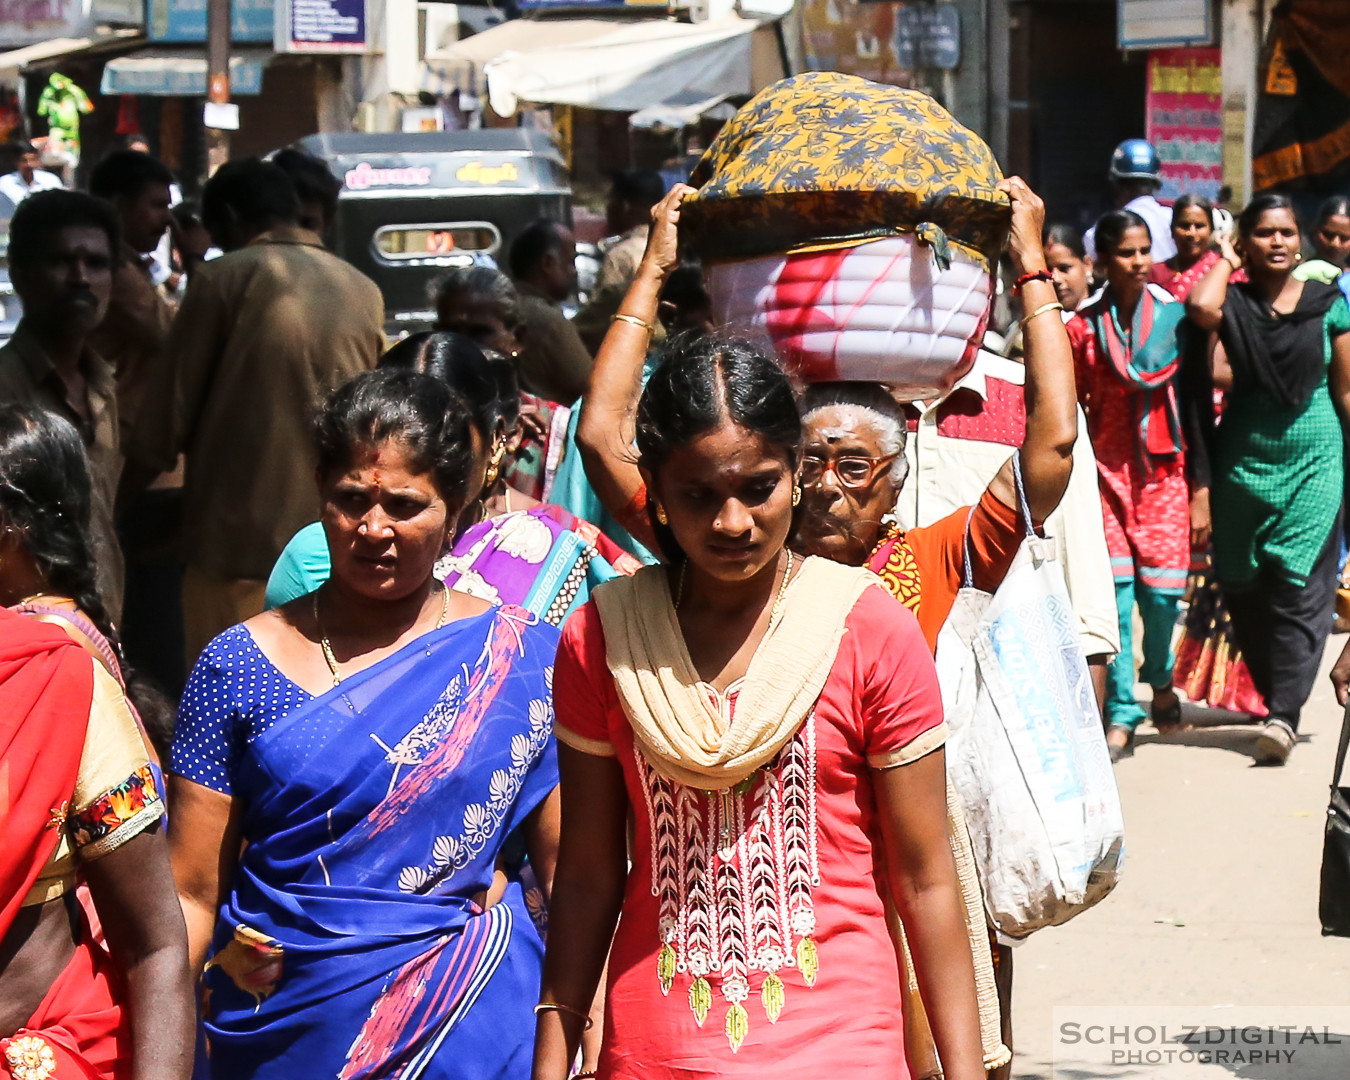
[1027, 754]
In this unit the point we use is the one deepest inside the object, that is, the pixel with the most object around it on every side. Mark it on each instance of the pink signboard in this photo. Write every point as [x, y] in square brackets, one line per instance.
[1185, 120]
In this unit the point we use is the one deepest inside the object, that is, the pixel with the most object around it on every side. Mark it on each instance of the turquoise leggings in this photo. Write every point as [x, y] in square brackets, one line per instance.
[1159, 609]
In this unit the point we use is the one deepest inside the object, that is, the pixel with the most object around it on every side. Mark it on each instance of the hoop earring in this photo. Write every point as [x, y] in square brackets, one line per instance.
[796, 494]
[494, 467]
[661, 515]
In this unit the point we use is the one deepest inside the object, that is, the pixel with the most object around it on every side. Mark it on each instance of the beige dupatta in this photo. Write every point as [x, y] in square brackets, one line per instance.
[679, 730]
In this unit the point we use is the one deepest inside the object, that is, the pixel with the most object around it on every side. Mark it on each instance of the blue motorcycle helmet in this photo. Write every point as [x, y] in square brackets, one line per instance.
[1135, 159]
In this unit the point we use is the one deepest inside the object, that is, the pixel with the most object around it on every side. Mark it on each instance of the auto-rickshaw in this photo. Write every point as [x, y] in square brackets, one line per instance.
[413, 205]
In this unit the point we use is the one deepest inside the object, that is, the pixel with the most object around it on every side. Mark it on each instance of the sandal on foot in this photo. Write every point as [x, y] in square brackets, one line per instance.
[1277, 738]
[1120, 750]
[1167, 720]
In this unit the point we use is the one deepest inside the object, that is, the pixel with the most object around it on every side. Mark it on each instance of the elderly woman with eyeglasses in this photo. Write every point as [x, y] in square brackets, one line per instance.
[854, 463]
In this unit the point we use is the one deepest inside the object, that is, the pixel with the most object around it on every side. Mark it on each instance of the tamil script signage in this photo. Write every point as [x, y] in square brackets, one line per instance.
[184, 21]
[321, 26]
[441, 171]
[1185, 120]
[364, 175]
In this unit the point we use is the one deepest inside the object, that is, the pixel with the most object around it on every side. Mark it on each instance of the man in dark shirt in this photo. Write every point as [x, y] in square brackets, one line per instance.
[263, 335]
[554, 364]
[61, 252]
[137, 324]
[132, 337]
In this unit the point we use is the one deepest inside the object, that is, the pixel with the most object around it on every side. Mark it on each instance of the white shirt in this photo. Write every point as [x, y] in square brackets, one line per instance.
[947, 473]
[1159, 220]
[12, 185]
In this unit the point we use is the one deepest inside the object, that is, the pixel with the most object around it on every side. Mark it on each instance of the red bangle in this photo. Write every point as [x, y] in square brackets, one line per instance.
[1035, 275]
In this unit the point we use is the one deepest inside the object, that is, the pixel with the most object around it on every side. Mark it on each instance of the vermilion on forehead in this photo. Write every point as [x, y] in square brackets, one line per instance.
[844, 424]
[386, 463]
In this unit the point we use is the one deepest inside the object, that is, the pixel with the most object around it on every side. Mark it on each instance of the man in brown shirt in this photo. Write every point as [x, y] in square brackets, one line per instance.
[628, 215]
[61, 246]
[132, 337]
[136, 327]
[553, 364]
[263, 335]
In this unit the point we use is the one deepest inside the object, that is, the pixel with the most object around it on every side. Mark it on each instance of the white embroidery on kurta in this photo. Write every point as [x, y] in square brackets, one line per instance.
[733, 874]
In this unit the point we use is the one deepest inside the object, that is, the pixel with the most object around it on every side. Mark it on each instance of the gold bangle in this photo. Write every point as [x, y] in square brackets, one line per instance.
[1054, 305]
[621, 317]
[553, 1006]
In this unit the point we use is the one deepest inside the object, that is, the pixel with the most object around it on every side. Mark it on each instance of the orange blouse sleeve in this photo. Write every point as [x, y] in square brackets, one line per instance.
[995, 535]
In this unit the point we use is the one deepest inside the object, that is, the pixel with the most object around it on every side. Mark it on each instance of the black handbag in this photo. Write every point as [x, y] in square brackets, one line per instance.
[1333, 906]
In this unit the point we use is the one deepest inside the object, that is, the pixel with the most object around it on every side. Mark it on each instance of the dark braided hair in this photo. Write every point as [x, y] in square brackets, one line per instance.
[432, 421]
[46, 496]
[701, 382]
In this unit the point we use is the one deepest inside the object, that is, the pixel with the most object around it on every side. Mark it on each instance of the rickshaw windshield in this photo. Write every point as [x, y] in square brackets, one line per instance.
[398, 243]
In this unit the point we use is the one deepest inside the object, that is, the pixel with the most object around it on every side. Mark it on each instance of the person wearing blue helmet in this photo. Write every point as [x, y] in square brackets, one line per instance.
[1136, 173]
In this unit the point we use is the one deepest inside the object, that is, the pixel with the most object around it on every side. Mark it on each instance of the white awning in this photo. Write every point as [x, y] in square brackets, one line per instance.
[619, 64]
[14, 61]
[682, 110]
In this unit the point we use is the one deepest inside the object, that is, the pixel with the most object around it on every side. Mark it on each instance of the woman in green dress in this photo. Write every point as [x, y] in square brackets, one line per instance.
[1282, 355]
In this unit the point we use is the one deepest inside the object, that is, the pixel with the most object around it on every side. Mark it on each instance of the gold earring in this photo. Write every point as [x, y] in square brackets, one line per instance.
[495, 465]
[796, 494]
[661, 514]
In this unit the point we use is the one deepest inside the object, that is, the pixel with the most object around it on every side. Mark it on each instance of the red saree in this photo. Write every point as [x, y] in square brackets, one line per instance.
[47, 685]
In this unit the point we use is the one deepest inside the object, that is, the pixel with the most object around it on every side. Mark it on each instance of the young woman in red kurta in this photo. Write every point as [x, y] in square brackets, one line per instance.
[773, 724]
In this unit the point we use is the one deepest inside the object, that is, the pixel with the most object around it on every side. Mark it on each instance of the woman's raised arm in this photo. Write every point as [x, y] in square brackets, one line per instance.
[609, 407]
[1051, 399]
[1204, 306]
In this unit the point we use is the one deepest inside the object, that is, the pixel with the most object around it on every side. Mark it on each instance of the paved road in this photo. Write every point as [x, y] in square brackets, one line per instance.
[1218, 902]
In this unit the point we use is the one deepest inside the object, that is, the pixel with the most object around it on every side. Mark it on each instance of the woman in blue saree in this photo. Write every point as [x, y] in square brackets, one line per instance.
[372, 747]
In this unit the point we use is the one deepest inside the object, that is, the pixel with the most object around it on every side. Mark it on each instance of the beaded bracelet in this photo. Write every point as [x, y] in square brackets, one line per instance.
[1034, 275]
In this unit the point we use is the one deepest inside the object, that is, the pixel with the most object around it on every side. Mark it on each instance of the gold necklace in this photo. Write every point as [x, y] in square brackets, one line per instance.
[327, 645]
[782, 592]
[777, 602]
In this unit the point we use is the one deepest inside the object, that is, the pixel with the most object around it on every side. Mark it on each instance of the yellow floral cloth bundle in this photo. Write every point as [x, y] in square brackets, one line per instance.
[824, 160]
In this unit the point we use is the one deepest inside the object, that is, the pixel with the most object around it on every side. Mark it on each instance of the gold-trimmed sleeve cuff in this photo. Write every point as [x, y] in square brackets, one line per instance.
[920, 746]
[594, 747]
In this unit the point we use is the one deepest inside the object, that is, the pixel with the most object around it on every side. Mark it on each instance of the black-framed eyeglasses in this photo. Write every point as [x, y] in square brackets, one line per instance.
[852, 470]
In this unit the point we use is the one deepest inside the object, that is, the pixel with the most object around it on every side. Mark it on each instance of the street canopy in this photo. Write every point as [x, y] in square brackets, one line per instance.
[619, 64]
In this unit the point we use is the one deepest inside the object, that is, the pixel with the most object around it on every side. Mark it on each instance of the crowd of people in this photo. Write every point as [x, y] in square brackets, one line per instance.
[555, 697]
